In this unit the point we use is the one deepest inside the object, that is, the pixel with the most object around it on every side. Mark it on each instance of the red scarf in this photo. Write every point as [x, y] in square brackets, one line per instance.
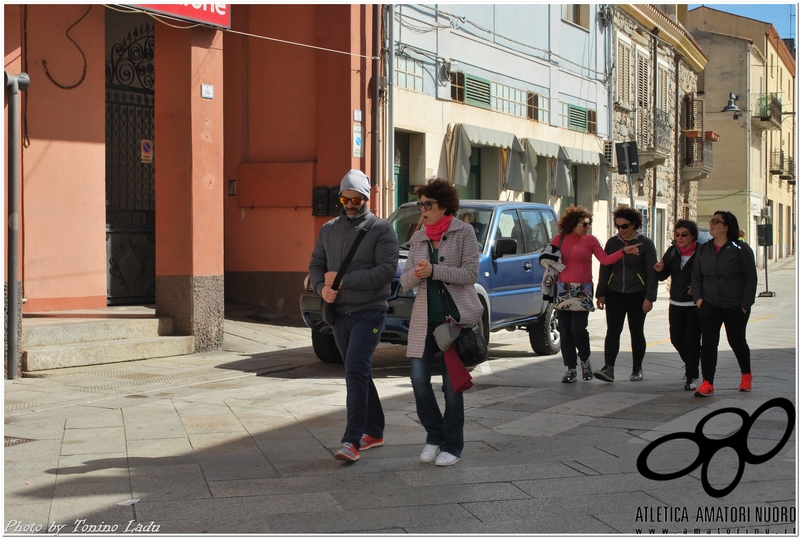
[436, 231]
[688, 250]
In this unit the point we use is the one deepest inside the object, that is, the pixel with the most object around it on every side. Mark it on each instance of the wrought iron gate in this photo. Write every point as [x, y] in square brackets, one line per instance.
[130, 183]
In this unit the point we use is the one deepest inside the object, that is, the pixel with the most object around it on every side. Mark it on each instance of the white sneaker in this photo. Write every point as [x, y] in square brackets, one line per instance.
[429, 453]
[446, 458]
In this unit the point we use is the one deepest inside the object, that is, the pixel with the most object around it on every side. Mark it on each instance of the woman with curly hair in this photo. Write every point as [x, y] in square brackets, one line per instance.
[627, 288]
[575, 287]
[442, 260]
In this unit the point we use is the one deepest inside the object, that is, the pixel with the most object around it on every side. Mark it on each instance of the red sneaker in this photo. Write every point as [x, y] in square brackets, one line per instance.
[747, 382]
[347, 452]
[369, 442]
[706, 389]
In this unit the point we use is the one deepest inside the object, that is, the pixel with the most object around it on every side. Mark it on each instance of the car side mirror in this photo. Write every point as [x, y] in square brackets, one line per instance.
[503, 247]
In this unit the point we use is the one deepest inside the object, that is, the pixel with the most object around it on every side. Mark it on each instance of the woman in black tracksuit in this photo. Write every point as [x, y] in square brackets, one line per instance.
[684, 318]
[627, 288]
[724, 283]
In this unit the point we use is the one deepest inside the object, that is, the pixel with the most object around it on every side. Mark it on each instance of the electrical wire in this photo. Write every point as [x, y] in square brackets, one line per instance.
[228, 30]
[83, 76]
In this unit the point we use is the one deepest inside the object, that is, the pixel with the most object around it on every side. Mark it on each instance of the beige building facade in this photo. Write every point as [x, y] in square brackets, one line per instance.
[755, 173]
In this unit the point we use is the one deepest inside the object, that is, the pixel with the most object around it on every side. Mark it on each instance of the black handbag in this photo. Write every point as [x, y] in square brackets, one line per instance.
[326, 308]
[470, 344]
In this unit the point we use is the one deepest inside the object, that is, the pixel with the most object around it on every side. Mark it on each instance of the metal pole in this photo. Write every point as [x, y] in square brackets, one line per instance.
[390, 81]
[14, 85]
[376, 77]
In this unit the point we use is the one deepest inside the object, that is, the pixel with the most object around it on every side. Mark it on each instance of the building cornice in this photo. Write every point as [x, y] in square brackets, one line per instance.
[783, 50]
[669, 31]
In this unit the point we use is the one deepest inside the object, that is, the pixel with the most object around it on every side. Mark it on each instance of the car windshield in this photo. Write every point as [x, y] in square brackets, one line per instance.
[407, 220]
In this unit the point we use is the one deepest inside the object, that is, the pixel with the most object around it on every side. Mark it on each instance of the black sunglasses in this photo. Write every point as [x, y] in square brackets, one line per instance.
[585, 224]
[622, 226]
[354, 201]
[428, 205]
[687, 234]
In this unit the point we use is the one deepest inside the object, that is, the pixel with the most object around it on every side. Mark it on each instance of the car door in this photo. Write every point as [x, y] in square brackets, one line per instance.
[512, 274]
[537, 237]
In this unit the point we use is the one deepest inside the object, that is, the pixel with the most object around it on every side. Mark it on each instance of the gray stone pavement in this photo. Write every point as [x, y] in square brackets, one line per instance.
[240, 441]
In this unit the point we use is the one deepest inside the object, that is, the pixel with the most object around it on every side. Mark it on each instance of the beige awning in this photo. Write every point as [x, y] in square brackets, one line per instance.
[582, 156]
[462, 137]
[536, 148]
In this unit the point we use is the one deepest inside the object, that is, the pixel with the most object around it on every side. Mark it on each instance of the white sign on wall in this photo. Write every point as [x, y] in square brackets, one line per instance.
[358, 140]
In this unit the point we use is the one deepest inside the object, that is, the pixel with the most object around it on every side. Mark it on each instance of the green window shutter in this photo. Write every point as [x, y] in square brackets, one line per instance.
[578, 119]
[477, 91]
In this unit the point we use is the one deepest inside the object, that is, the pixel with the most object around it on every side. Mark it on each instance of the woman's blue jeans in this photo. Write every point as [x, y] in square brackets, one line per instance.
[446, 431]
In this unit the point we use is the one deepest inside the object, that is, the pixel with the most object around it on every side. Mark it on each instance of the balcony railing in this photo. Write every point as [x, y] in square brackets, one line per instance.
[663, 134]
[767, 111]
[699, 154]
[788, 169]
[776, 163]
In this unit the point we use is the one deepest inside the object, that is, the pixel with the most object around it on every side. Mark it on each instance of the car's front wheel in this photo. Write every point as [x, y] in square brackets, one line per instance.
[544, 335]
[325, 347]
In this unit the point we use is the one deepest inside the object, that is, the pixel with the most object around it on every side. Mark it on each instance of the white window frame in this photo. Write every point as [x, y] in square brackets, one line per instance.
[416, 75]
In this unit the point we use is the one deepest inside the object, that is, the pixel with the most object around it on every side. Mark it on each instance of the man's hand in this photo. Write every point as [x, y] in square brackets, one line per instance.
[699, 302]
[423, 270]
[330, 276]
[601, 303]
[689, 290]
[647, 306]
[329, 294]
[659, 266]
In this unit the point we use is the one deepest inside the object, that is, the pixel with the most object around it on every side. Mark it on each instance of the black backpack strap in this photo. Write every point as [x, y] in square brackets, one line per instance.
[361, 233]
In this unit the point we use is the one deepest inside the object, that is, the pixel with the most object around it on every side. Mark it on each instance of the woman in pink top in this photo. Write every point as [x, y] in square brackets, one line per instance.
[577, 248]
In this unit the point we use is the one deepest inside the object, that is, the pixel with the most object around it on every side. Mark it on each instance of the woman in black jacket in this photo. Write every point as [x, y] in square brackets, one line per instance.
[627, 288]
[724, 283]
[684, 319]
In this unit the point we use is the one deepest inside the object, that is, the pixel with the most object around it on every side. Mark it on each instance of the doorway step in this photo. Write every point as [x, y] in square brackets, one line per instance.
[65, 339]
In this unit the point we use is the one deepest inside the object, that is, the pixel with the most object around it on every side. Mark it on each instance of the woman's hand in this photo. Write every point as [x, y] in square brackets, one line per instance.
[632, 249]
[699, 302]
[647, 306]
[659, 266]
[601, 303]
[423, 270]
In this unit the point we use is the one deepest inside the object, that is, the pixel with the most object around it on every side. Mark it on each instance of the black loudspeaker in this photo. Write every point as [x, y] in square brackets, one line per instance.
[631, 164]
[764, 235]
[334, 205]
[319, 201]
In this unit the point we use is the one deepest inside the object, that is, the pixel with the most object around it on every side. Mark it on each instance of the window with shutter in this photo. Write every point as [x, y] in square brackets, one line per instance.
[624, 75]
[477, 91]
[457, 86]
[663, 89]
[642, 81]
[577, 119]
[591, 118]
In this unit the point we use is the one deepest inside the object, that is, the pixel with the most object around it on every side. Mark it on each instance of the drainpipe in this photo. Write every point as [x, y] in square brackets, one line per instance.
[390, 114]
[612, 50]
[677, 135]
[747, 146]
[14, 85]
[654, 53]
[376, 75]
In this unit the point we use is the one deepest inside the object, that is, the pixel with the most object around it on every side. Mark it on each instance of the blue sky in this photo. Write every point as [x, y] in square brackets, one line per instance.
[777, 14]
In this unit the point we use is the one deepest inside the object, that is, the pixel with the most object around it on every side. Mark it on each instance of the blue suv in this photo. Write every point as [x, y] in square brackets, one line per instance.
[511, 235]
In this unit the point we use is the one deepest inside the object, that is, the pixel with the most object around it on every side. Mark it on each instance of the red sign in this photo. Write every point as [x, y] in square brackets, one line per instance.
[213, 14]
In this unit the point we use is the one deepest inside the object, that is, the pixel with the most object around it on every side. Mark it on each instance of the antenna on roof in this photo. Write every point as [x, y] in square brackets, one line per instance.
[791, 21]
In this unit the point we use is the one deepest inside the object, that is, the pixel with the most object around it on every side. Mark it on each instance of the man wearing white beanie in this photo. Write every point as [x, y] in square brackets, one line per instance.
[360, 303]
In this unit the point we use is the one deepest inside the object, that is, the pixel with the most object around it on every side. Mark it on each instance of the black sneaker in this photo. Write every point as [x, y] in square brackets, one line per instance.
[691, 384]
[586, 369]
[637, 375]
[606, 373]
[570, 376]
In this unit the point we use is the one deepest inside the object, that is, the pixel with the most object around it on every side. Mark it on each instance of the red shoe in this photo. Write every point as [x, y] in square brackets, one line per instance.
[706, 389]
[747, 382]
[347, 453]
[369, 442]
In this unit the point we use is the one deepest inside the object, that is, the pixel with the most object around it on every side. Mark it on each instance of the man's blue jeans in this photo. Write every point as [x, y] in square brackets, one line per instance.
[357, 335]
[446, 431]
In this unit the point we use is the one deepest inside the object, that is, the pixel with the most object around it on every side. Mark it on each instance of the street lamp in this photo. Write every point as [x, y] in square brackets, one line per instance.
[731, 106]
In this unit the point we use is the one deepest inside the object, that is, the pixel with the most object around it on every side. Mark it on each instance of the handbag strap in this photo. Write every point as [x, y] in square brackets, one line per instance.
[442, 289]
[361, 233]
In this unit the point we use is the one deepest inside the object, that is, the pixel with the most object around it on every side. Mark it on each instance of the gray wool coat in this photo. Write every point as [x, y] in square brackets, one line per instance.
[457, 267]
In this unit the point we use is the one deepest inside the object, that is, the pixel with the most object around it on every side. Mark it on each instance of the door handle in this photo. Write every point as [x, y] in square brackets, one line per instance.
[527, 266]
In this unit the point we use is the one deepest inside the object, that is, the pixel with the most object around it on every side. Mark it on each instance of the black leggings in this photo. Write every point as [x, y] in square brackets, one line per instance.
[711, 320]
[572, 326]
[684, 333]
[619, 305]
